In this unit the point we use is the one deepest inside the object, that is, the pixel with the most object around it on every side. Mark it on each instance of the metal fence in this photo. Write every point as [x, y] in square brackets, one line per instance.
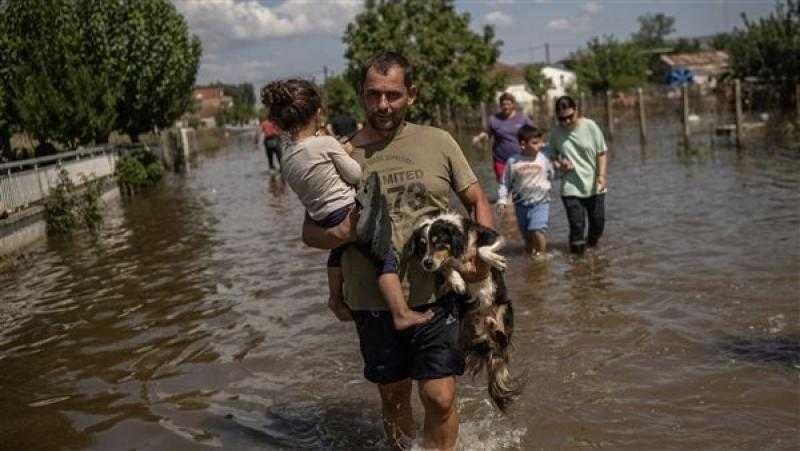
[25, 182]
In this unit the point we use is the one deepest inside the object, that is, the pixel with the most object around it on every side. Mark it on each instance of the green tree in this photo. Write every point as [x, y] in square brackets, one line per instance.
[160, 66]
[769, 49]
[60, 85]
[609, 64]
[537, 82]
[653, 29]
[723, 41]
[339, 95]
[452, 62]
[684, 45]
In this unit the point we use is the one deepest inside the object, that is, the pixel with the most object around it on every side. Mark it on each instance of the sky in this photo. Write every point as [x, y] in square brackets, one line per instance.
[260, 40]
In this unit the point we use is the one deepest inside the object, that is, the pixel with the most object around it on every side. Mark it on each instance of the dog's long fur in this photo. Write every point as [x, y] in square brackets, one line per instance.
[446, 244]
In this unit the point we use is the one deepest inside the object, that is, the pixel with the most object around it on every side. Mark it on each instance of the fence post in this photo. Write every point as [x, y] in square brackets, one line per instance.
[686, 131]
[738, 93]
[642, 125]
[610, 114]
[797, 99]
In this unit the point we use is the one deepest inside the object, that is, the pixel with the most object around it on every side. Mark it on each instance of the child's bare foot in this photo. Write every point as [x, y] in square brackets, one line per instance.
[411, 318]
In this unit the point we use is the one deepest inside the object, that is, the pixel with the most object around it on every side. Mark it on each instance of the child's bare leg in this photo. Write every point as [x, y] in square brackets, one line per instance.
[402, 316]
[336, 295]
[530, 243]
[539, 242]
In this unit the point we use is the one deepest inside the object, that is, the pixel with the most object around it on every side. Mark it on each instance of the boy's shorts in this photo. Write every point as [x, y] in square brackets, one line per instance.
[532, 217]
[427, 351]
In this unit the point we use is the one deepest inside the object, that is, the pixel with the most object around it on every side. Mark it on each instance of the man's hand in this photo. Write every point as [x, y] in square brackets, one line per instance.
[474, 270]
[339, 309]
[602, 183]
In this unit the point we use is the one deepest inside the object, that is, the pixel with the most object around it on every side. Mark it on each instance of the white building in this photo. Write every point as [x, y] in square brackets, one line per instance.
[562, 79]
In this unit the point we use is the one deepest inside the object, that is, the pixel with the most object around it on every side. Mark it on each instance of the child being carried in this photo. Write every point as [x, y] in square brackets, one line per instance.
[323, 175]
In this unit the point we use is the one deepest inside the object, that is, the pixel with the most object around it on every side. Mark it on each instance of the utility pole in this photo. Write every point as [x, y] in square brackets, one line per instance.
[547, 53]
[324, 76]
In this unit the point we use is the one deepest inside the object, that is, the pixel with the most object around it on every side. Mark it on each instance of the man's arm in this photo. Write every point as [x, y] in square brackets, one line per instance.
[475, 201]
[602, 171]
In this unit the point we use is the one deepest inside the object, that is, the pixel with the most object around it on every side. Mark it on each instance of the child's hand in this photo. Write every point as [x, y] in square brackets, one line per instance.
[567, 166]
[348, 148]
[500, 209]
[339, 309]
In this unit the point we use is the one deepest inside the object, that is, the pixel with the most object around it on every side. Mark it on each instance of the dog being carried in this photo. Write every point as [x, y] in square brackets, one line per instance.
[447, 244]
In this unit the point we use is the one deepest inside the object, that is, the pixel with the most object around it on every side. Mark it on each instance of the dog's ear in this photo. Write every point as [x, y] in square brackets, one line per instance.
[409, 251]
[458, 241]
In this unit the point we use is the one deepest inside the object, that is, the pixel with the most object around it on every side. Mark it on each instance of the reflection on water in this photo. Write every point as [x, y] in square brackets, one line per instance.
[196, 318]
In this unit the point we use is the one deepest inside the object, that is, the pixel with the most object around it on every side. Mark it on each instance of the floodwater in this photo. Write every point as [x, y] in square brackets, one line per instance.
[196, 319]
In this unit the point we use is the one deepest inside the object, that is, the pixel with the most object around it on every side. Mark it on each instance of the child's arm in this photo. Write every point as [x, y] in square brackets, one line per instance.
[348, 168]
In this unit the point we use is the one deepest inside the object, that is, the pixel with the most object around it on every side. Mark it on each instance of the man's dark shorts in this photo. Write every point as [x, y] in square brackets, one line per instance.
[429, 351]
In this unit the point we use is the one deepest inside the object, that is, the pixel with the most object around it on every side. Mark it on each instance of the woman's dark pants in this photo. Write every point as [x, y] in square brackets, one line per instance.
[272, 145]
[578, 208]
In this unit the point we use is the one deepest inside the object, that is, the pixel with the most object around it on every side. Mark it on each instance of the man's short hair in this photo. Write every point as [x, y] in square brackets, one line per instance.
[507, 96]
[383, 61]
[528, 132]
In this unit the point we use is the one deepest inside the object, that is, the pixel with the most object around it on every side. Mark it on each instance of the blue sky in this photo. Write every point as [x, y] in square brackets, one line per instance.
[259, 40]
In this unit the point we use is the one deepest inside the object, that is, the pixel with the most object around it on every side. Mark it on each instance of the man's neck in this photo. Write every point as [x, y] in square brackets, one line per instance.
[369, 135]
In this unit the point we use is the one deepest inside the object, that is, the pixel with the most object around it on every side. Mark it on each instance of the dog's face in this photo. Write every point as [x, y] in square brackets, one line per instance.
[436, 241]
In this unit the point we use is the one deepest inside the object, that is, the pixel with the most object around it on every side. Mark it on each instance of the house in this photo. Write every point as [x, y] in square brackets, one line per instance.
[209, 101]
[707, 67]
[516, 85]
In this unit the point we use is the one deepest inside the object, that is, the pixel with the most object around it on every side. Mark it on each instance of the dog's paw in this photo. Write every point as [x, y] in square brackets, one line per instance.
[457, 283]
[493, 259]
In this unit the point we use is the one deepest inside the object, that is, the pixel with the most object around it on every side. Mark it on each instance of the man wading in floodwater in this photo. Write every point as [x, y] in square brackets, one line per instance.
[419, 167]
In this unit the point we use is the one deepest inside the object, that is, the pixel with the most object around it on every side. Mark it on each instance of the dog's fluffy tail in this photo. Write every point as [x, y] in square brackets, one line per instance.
[503, 388]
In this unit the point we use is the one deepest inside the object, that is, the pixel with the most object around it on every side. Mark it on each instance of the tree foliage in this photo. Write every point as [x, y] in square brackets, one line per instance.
[537, 82]
[340, 96]
[452, 62]
[160, 66]
[609, 64]
[769, 49]
[60, 85]
[653, 29]
[71, 71]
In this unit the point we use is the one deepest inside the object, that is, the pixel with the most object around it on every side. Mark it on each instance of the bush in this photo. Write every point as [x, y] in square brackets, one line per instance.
[60, 204]
[66, 204]
[139, 169]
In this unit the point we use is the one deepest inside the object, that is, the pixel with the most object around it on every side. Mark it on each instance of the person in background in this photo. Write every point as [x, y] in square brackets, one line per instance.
[581, 154]
[502, 129]
[527, 178]
[272, 143]
[342, 125]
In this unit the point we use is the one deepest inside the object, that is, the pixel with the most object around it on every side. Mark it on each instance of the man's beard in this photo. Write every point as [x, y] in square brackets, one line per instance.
[386, 123]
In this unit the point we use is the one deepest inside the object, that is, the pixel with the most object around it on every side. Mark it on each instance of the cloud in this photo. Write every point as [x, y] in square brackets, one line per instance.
[498, 18]
[590, 9]
[220, 21]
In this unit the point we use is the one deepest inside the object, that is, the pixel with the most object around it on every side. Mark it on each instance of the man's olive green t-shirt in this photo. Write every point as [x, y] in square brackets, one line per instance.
[419, 168]
[580, 145]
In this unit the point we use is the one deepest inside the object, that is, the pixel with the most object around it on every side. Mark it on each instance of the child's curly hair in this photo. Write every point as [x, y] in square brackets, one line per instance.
[291, 103]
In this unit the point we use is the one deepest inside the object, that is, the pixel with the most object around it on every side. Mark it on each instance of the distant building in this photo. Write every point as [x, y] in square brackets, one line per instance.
[707, 67]
[208, 102]
[516, 85]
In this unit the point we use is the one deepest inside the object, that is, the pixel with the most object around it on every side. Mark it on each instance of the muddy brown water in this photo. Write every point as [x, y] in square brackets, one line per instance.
[196, 319]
